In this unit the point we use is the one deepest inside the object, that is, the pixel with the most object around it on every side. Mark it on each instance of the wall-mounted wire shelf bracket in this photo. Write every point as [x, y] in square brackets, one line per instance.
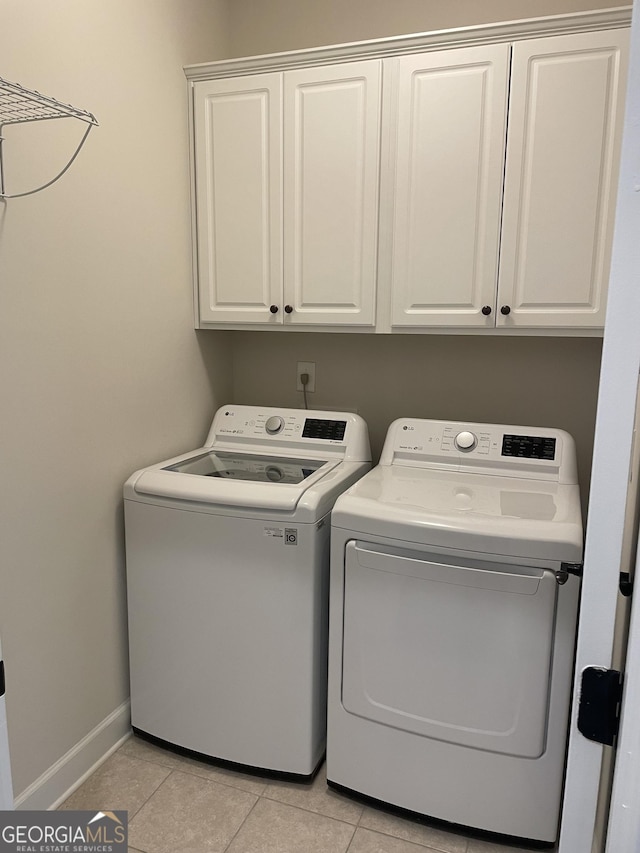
[19, 105]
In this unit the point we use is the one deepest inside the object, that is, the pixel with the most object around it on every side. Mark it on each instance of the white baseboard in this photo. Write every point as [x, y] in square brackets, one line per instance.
[70, 771]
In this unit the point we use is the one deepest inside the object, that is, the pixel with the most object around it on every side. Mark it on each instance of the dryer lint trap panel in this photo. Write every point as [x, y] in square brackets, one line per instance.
[19, 105]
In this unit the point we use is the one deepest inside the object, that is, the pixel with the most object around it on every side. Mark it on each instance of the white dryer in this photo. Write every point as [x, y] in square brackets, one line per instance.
[227, 553]
[452, 625]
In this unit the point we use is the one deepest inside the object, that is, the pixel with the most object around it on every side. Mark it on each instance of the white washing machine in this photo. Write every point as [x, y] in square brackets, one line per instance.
[452, 625]
[227, 555]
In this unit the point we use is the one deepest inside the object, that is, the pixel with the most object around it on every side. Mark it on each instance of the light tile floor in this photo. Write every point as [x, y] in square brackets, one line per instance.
[178, 805]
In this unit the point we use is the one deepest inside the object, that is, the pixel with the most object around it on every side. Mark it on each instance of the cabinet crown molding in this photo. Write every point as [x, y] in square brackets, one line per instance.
[575, 22]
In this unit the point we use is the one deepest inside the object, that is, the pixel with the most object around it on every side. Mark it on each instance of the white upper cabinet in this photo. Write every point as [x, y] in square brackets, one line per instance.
[331, 144]
[238, 168]
[459, 181]
[534, 253]
[287, 166]
[565, 123]
[447, 183]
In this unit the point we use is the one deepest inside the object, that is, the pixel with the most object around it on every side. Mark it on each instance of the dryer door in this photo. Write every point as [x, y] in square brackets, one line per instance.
[458, 653]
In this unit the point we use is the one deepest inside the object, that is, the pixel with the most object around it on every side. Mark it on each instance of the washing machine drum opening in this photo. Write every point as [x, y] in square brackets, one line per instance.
[249, 467]
[479, 678]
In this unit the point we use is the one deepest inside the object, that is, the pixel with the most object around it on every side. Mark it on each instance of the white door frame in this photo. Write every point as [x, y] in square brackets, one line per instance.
[610, 473]
[624, 818]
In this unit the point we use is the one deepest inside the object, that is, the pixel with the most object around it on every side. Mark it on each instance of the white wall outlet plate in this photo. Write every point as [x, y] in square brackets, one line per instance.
[306, 367]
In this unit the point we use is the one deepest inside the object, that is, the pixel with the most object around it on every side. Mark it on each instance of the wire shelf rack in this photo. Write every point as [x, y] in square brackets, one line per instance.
[19, 105]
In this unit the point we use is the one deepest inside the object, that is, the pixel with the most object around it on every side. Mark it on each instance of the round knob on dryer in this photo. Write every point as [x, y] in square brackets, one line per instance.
[274, 425]
[465, 440]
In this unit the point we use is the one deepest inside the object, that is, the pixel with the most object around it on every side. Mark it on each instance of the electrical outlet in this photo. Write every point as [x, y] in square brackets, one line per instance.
[306, 367]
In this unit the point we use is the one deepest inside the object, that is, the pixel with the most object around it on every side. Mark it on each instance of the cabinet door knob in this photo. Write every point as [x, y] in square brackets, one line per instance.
[288, 309]
[505, 310]
[273, 309]
[486, 310]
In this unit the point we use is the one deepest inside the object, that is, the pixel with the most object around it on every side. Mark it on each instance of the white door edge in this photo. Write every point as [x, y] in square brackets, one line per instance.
[610, 472]
[624, 816]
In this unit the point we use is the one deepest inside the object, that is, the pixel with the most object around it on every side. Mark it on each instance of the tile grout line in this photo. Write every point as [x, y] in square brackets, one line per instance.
[301, 809]
[265, 795]
[390, 834]
[406, 841]
[355, 829]
[419, 843]
[153, 793]
[308, 811]
[246, 818]
[311, 811]
[353, 835]
[178, 768]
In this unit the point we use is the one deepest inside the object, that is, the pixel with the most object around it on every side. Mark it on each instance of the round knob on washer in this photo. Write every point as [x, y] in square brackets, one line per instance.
[465, 440]
[274, 424]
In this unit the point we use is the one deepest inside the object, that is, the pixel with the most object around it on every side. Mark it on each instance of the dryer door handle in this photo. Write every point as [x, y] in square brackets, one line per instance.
[483, 575]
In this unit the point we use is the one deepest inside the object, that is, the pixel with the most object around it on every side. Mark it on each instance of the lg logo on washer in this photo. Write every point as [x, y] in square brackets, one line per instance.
[291, 536]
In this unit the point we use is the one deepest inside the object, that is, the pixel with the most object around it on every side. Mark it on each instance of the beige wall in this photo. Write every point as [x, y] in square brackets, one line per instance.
[525, 381]
[268, 26]
[100, 369]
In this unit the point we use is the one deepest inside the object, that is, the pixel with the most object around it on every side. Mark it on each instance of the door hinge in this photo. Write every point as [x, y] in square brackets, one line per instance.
[626, 584]
[599, 706]
[566, 569]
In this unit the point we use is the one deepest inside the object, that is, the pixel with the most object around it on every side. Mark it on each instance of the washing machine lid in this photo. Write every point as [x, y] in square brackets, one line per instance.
[248, 467]
[234, 478]
[523, 518]
[263, 459]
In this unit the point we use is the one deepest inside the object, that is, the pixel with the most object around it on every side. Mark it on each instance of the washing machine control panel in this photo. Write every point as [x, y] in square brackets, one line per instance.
[327, 430]
[253, 422]
[465, 440]
[298, 428]
[274, 424]
[529, 446]
[492, 447]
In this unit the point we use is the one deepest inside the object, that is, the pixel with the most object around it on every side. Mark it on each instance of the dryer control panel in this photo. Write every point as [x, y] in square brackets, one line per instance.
[536, 452]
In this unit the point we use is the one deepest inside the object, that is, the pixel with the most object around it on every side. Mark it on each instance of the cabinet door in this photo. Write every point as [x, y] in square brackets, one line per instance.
[448, 185]
[565, 121]
[238, 167]
[331, 139]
